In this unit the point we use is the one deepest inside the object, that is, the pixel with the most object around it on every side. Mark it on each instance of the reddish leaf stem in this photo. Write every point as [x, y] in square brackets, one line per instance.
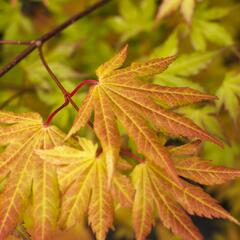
[128, 153]
[93, 82]
[68, 99]
[50, 118]
[37, 44]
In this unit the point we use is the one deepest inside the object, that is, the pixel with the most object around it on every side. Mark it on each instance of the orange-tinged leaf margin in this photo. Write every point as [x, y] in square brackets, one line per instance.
[142, 212]
[114, 63]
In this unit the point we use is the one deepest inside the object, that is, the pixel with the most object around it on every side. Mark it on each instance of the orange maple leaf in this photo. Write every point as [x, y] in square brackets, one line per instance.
[121, 95]
[155, 190]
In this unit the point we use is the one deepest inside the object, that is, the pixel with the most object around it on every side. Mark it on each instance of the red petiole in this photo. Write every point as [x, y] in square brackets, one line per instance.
[85, 82]
[55, 112]
[68, 98]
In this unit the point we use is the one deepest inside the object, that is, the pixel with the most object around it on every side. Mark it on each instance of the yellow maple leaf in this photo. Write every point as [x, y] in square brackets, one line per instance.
[23, 134]
[84, 188]
[169, 6]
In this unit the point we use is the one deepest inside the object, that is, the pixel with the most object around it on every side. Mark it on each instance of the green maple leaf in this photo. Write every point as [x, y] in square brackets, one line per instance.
[206, 28]
[229, 93]
[179, 72]
[133, 18]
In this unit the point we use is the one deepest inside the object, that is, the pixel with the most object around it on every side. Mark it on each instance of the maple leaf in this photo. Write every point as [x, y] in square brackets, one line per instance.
[203, 172]
[119, 95]
[225, 157]
[134, 18]
[178, 74]
[205, 117]
[148, 196]
[169, 6]
[205, 26]
[190, 166]
[169, 47]
[155, 190]
[84, 188]
[83, 184]
[229, 93]
[197, 61]
[23, 134]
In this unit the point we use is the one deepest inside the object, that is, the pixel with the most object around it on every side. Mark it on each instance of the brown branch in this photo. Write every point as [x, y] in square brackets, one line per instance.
[40, 41]
[65, 93]
[37, 44]
[16, 42]
[53, 76]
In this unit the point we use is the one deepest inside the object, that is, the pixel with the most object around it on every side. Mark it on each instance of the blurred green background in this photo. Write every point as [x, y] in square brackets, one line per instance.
[206, 43]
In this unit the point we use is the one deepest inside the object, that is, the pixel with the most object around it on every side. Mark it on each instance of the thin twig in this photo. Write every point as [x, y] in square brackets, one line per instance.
[50, 35]
[16, 42]
[65, 93]
[53, 76]
[37, 44]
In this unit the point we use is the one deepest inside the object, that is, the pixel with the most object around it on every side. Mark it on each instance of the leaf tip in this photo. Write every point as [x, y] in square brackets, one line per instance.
[234, 220]
[215, 140]
[125, 48]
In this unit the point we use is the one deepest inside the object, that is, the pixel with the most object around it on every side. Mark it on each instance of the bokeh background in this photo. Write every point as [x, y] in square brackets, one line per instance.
[205, 37]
